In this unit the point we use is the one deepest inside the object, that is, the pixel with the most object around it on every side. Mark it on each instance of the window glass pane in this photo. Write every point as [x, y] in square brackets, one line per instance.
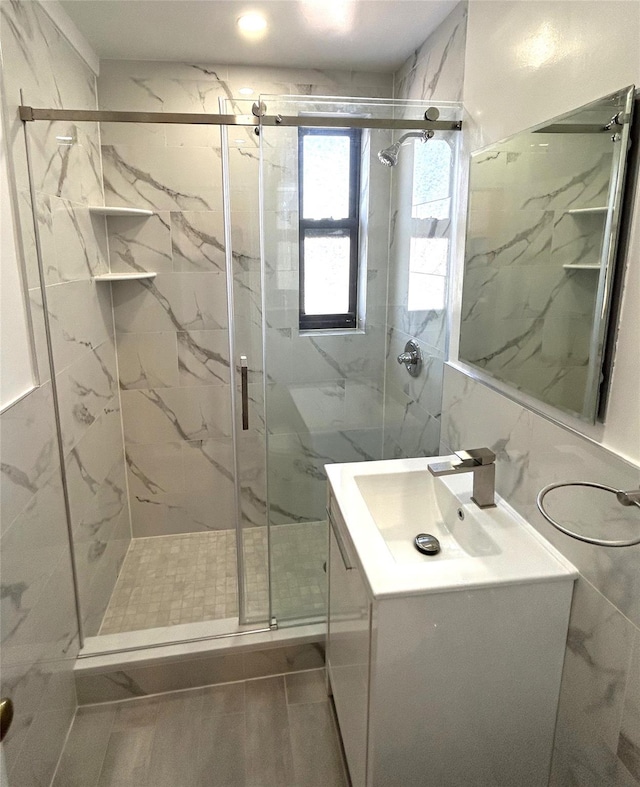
[432, 164]
[325, 176]
[326, 272]
[427, 269]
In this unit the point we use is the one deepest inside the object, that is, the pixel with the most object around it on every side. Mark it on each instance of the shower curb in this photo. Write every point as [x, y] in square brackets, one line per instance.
[143, 672]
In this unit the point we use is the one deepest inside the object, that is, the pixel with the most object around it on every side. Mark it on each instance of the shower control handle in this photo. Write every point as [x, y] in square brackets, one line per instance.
[411, 358]
[244, 392]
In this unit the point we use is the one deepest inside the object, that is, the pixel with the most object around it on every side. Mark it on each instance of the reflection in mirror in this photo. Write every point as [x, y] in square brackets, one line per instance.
[543, 219]
[430, 220]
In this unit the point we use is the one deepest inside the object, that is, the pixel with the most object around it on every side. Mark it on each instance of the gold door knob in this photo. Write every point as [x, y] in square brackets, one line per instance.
[6, 716]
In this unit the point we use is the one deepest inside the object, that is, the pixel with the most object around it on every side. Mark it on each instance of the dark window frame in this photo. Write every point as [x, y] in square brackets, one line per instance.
[349, 226]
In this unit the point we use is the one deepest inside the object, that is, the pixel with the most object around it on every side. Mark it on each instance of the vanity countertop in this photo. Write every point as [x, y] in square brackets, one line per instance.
[385, 504]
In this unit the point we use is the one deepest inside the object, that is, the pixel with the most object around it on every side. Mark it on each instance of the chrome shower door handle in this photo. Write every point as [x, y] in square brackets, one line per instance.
[244, 392]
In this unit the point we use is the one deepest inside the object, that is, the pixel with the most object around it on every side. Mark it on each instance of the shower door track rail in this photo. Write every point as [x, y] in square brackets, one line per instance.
[171, 643]
[29, 114]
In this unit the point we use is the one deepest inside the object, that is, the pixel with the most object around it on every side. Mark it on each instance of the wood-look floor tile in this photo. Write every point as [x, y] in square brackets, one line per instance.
[268, 746]
[84, 751]
[175, 745]
[127, 759]
[317, 757]
[221, 757]
[303, 687]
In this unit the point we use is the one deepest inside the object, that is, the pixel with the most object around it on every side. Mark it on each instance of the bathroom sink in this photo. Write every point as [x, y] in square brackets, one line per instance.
[382, 506]
[407, 503]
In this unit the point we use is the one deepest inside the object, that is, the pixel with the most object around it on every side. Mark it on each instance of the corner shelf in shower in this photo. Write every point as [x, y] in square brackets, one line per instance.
[601, 209]
[135, 276]
[581, 266]
[102, 210]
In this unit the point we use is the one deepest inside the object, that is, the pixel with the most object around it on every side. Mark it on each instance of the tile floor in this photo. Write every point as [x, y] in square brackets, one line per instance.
[191, 578]
[298, 553]
[168, 580]
[269, 732]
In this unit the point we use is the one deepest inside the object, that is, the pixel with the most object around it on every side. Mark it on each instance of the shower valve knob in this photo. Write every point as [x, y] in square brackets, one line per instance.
[411, 358]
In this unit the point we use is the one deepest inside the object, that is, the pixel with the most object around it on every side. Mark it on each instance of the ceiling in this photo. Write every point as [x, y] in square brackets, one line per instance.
[373, 35]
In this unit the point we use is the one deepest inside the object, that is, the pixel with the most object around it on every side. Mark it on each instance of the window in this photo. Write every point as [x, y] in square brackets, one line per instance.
[329, 196]
[430, 218]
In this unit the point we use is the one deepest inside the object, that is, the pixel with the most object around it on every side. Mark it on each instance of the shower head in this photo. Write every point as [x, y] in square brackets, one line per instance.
[389, 156]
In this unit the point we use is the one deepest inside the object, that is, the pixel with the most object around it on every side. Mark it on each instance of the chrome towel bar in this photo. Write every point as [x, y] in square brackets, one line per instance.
[630, 498]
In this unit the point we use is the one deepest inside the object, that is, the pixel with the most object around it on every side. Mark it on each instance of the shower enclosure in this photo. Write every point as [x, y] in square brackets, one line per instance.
[224, 297]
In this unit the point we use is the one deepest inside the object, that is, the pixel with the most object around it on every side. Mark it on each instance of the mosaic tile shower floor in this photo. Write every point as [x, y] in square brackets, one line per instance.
[190, 578]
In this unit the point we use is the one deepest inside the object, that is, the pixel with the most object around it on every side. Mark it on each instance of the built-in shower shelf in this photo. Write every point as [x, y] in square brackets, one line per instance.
[581, 266]
[586, 211]
[102, 210]
[135, 276]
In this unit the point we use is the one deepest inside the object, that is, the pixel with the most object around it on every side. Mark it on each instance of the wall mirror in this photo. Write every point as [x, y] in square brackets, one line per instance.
[542, 229]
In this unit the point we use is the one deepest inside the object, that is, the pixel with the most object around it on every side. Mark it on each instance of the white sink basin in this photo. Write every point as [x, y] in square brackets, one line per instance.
[386, 504]
[405, 504]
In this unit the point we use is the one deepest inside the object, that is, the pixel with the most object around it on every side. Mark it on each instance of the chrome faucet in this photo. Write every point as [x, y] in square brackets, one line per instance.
[480, 462]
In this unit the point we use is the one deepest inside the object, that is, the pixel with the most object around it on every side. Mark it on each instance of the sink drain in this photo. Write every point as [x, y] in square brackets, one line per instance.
[427, 544]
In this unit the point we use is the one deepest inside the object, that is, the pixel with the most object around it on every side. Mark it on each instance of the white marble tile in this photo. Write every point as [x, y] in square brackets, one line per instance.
[41, 354]
[154, 469]
[203, 358]
[629, 740]
[80, 319]
[153, 134]
[436, 69]
[170, 414]
[184, 512]
[29, 451]
[66, 160]
[32, 550]
[171, 301]
[72, 240]
[178, 179]
[408, 429]
[197, 239]
[85, 389]
[89, 462]
[595, 671]
[296, 461]
[253, 492]
[140, 243]
[100, 541]
[148, 360]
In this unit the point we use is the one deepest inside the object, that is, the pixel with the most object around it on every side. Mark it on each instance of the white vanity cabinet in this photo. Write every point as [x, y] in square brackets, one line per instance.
[349, 641]
[452, 689]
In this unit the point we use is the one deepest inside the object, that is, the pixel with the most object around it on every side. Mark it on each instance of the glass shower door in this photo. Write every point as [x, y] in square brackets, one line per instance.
[240, 146]
[324, 386]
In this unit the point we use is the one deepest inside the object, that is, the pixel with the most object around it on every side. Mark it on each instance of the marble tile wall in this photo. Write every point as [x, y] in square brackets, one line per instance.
[412, 406]
[67, 171]
[39, 624]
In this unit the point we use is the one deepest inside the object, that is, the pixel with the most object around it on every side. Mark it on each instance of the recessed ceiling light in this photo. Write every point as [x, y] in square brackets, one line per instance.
[252, 23]
[246, 91]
